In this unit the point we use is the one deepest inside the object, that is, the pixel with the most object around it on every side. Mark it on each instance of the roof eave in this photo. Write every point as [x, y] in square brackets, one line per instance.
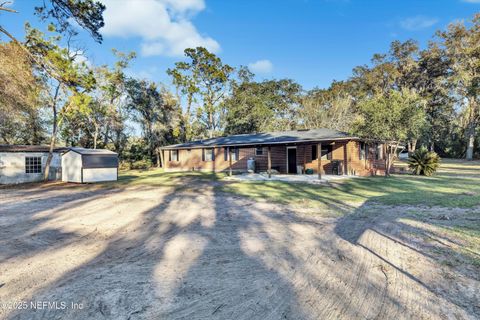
[257, 143]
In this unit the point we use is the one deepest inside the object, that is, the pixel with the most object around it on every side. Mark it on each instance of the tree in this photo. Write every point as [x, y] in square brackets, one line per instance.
[70, 77]
[404, 57]
[270, 105]
[432, 84]
[155, 110]
[424, 162]
[462, 46]
[86, 13]
[332, 108]
[389, 119]
[84, 121]
[20, 96]
[378, 79]
[204, 79]
[111, 92]
[186, 85]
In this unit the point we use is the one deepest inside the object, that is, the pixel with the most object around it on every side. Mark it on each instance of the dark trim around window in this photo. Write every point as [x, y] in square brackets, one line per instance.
[33, 164]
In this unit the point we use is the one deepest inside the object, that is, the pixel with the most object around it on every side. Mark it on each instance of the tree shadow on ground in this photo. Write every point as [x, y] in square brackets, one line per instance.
[200, 253]
[145, 268]
[431, 255]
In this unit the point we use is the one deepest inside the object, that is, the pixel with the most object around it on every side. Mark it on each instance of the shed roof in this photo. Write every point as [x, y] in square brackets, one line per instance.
[85, 151]
[28, 148]
[277, 137]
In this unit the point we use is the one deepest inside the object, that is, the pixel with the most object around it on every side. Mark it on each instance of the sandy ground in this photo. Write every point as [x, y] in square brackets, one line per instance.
[196, 253]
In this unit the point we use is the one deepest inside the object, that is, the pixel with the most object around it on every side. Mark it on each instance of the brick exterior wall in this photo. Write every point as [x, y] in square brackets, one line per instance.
[347, 152]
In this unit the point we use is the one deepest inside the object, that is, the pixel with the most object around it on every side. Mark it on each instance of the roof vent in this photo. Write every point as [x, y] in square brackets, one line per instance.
[303, 130]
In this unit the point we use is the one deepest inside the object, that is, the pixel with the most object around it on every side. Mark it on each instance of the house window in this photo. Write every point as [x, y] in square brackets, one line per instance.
[362, 150]
[234, 154]
[173, 155]
[33, 164]
[314, 152]
[259, 151]
[379, 151]
[208, 155]
[327, 152]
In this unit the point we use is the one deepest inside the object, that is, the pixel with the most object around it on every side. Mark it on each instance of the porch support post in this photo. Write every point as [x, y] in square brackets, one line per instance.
[229, 155]
[319, 160]
[345, 158]
[269, 161]
[304, 158]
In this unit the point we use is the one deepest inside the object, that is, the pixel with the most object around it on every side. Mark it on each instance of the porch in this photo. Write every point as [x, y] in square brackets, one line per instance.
[313, 159]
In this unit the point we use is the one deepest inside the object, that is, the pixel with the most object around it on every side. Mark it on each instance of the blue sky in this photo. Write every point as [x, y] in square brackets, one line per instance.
[312, 42]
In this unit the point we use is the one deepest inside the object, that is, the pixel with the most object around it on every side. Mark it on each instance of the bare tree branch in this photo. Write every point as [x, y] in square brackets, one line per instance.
[4, 8]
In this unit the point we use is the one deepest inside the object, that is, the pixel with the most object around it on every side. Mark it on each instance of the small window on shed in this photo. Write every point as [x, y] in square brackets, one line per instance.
[314, 152]
[174, 155]
[33, 164]
[208, 155]
[259, 151]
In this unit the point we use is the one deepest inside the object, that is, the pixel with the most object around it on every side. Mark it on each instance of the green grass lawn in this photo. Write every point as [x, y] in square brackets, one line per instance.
[159, 178]
[457, 184]
[446, 189]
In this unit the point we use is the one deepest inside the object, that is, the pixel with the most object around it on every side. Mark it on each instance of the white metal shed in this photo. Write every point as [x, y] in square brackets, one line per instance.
[89, 165]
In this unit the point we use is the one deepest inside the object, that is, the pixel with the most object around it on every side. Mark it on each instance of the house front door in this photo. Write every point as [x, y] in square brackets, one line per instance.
[291, 160]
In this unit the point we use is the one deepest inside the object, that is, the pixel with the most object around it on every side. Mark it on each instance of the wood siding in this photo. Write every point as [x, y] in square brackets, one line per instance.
[347, 152]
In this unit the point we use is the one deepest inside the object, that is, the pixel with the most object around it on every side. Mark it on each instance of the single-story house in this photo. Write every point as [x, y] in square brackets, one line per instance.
[321, 151]
[89, 165]
[26, 163]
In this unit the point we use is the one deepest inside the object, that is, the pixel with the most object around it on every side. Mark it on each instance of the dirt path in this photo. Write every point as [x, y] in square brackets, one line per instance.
[195, 253]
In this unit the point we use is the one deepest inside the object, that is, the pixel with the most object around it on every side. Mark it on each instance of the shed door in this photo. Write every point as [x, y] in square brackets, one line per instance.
[292, 160]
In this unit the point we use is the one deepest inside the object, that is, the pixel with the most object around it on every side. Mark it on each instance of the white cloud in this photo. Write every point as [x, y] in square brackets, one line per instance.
[418, 22]
[145, 74]
[81, 58]
[163, 25]
[184, 6]
[261, 66]
[471, 1]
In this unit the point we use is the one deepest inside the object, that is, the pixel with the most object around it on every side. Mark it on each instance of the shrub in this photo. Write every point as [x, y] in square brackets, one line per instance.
[124, 165]
[140, 165]
[424, 162]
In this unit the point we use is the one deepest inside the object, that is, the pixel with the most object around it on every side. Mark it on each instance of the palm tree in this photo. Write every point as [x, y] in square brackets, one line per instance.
[424, 162]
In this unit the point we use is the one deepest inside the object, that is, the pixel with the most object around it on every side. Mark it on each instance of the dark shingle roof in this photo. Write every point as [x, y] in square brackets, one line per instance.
[28, 148]
[267, 138]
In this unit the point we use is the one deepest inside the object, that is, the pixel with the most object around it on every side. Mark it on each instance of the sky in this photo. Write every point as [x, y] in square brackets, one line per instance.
[311, 41]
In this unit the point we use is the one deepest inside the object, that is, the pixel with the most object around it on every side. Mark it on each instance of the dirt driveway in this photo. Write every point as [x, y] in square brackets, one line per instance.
[193, 252]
